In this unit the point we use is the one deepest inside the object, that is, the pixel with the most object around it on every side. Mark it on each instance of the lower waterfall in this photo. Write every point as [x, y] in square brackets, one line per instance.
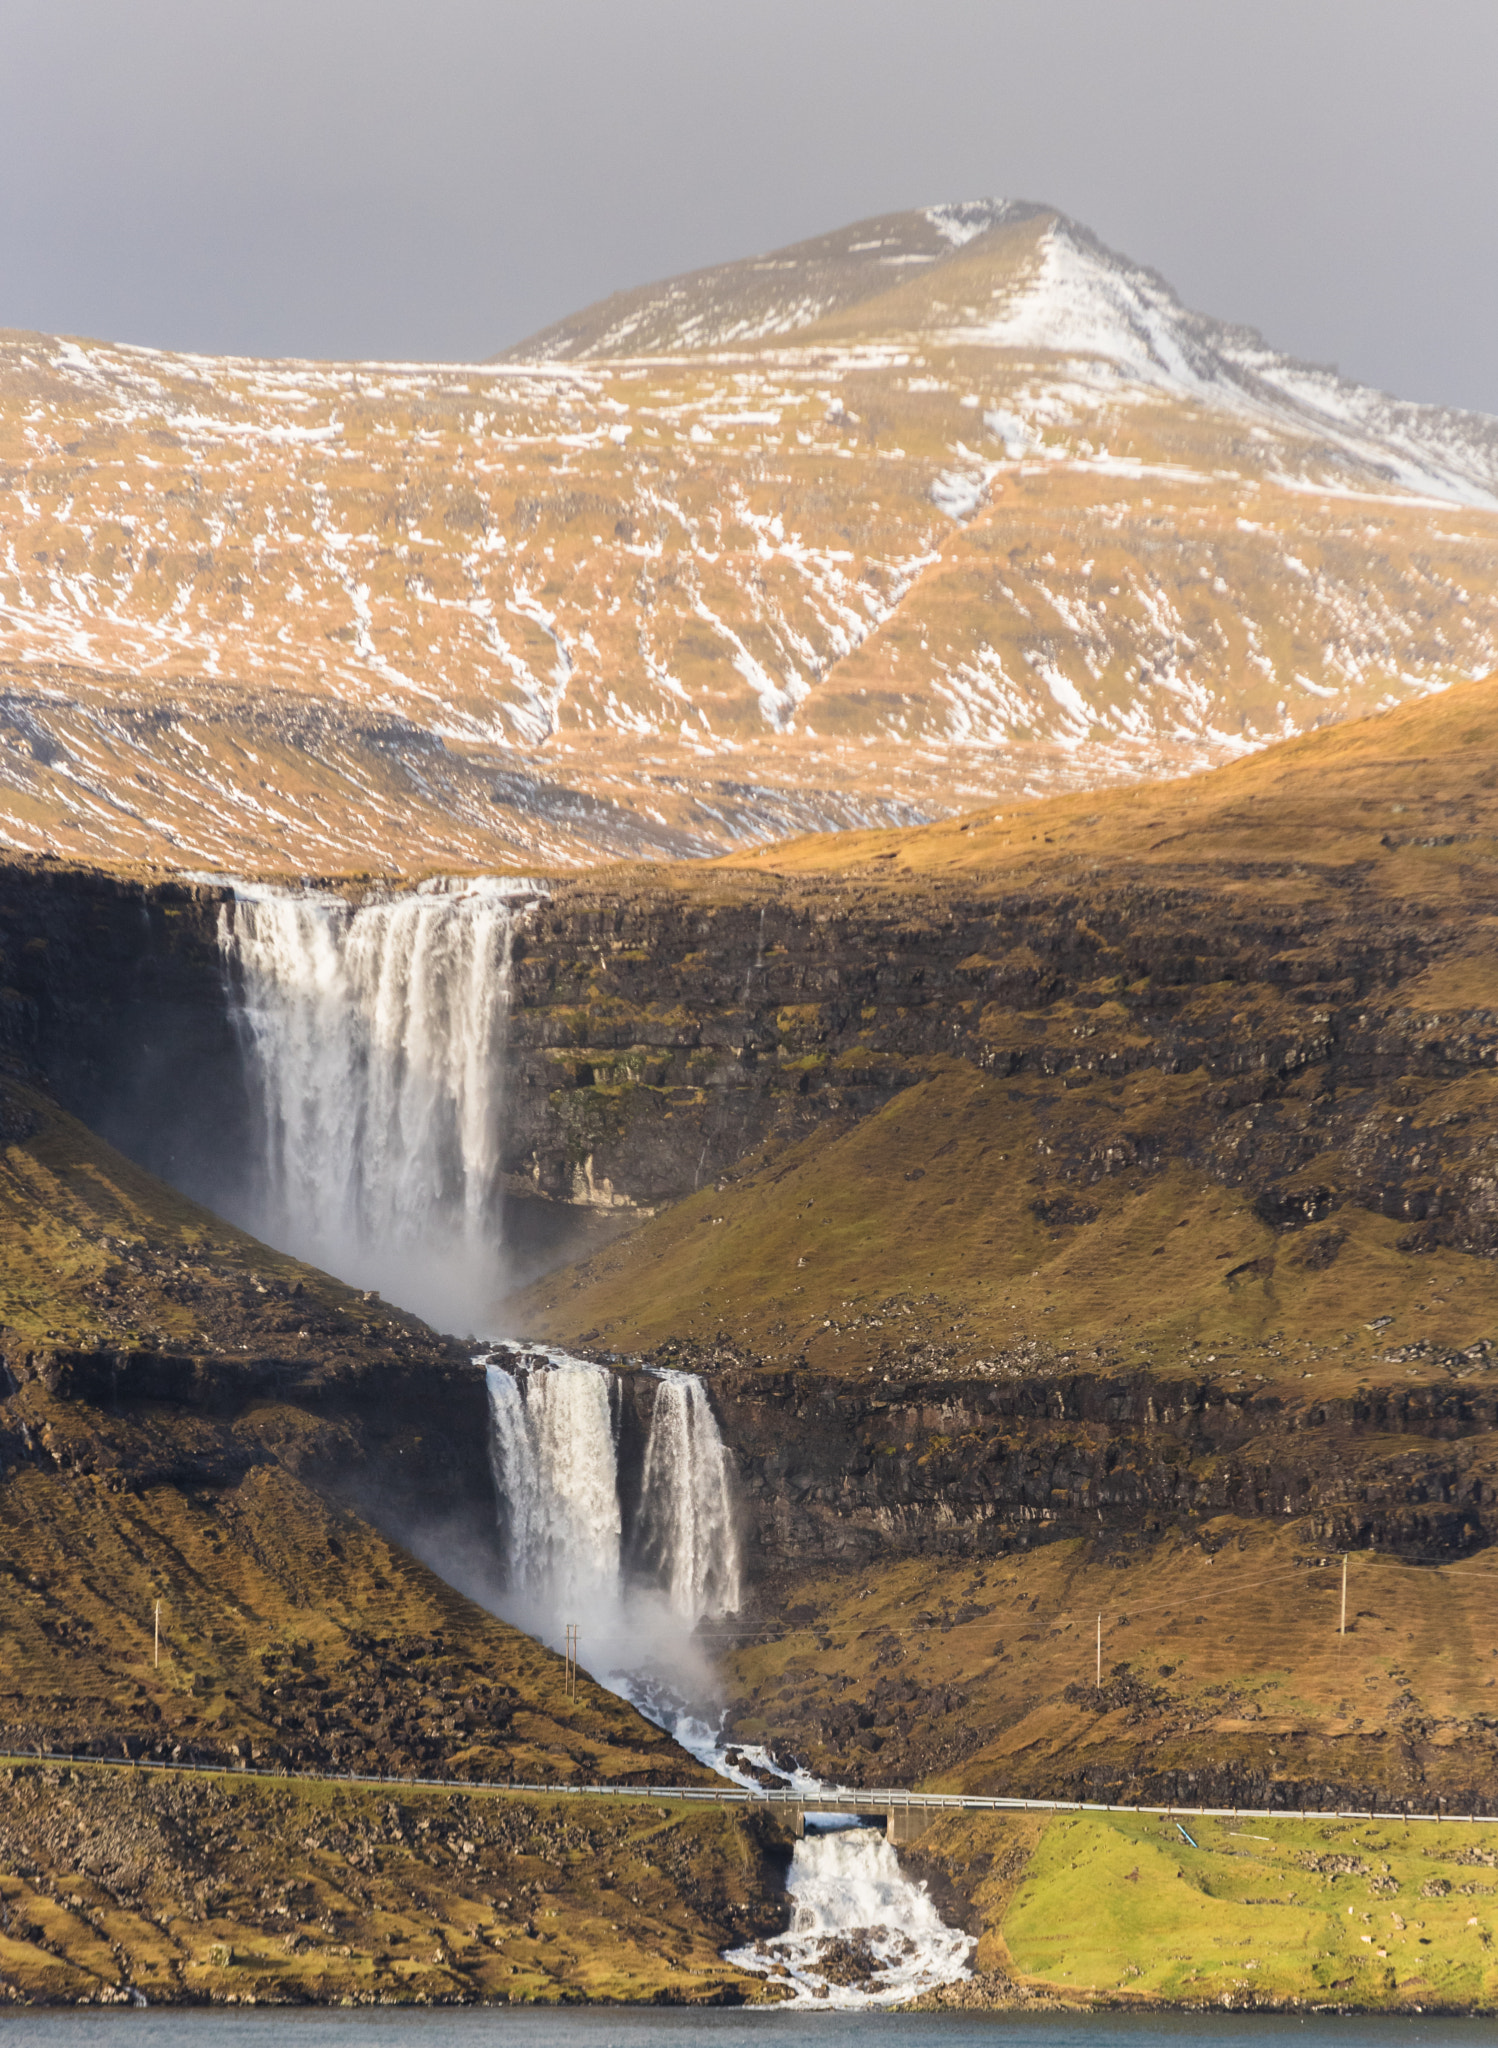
[861, 1932]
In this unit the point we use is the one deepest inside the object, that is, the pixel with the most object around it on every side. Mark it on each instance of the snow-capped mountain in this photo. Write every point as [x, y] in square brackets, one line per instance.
[947, 506]
[1009, 275]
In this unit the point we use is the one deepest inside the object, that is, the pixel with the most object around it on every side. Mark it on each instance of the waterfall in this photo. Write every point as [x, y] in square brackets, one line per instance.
[556, 1475]
[687, 1532]
[861, 1932]
[374, 1038]
[554, 1455]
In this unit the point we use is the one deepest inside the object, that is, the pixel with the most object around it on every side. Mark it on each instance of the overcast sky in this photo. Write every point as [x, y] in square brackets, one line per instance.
[386, 178]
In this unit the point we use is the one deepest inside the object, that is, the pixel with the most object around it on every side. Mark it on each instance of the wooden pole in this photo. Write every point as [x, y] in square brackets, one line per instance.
[158, 1631]
[1100, 1653]
[1342, 1630]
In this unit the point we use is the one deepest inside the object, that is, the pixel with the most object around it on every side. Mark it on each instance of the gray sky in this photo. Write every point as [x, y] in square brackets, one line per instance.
[440, 177]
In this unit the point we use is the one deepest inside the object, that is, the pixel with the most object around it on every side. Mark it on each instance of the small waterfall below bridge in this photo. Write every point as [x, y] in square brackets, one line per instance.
[862, 1933]
[374, 1040]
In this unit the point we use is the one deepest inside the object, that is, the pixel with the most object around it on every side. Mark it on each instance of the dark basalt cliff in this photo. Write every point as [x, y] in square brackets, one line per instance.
[660, 1033]
[963, 1470]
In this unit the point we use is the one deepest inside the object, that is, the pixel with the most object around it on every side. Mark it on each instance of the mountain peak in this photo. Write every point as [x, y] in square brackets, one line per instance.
[783, 293]
[1021, 280]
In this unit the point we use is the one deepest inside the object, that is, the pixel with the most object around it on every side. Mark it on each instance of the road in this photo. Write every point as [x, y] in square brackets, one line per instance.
[881, 1800]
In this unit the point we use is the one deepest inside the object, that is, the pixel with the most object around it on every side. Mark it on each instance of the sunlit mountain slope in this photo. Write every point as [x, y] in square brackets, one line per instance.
[946, 505]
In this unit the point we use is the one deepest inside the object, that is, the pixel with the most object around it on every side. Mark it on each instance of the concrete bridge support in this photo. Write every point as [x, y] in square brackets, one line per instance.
[904, 1824]
[901, 1823]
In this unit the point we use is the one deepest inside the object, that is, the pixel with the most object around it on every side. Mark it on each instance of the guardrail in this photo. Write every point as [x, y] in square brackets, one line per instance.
[845, 1799]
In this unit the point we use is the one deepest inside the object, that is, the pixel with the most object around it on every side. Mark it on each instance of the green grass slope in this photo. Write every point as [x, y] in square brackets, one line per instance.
[1124, 1911]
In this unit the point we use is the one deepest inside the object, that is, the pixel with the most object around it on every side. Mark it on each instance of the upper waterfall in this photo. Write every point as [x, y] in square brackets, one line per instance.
[374, 1039]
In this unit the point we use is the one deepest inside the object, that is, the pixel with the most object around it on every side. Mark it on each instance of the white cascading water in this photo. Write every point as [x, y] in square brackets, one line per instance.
[688, 1536]
[556, 1473]
[374, 1037]
[861, 1932]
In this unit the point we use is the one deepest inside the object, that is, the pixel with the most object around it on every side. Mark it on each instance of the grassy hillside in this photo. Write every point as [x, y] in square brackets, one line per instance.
[1224, 1674]
[1123, 1910]
[1097, 1173]
[1385, 792]
[198, 1890]
[192, 1419]
[948, 1230]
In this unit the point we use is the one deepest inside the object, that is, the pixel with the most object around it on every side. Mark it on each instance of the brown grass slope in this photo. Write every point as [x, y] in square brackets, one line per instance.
[853, 282]
[1099, 1205]
[192, 1419]
[1413, 780]
[215, 1890]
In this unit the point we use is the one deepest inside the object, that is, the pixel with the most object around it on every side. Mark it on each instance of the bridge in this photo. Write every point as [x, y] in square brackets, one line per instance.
[904, 1816]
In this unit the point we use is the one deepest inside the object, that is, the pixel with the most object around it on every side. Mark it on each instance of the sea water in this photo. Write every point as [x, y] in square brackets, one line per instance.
[623, 2027]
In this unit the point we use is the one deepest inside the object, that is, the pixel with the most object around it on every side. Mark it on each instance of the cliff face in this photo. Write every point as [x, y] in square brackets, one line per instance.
[952, 1469]
[663, 1032]
[114, 994]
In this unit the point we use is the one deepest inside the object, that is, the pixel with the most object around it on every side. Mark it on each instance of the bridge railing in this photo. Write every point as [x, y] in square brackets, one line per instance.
[842, 1799]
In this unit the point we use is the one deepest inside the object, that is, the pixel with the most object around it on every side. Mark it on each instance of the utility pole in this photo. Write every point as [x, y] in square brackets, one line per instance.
[158, 1631]
[1342, 1630]
[1100, 1653]
[571, 1635]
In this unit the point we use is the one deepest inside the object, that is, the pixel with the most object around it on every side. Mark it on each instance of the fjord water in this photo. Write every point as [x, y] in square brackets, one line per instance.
[373, 1036]
[625, 2027]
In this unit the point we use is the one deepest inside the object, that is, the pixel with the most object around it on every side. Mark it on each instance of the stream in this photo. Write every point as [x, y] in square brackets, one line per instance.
[862, 1933]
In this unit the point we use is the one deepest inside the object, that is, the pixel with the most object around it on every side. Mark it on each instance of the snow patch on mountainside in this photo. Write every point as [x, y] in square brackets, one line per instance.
[1078, 299]
[961, 220]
